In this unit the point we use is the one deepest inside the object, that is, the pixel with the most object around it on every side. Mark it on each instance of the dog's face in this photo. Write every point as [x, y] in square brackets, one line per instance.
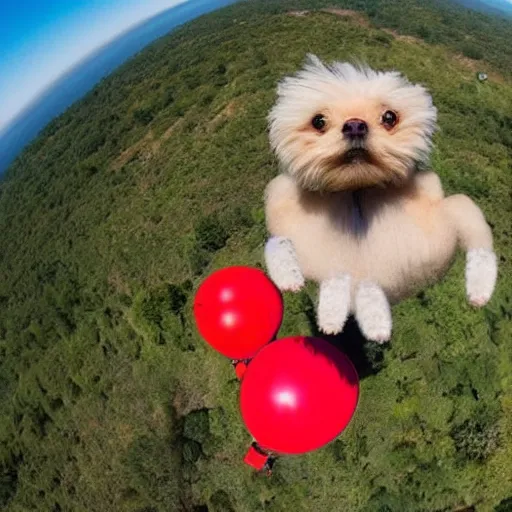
[340, 127]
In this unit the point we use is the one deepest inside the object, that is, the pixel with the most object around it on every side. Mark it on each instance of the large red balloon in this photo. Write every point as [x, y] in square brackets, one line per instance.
[298, 394]
[238, 310]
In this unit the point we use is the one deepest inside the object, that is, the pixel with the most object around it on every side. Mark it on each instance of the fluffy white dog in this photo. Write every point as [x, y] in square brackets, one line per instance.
[352, 208]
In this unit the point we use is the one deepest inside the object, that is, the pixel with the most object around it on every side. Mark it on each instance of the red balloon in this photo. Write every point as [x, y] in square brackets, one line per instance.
[298, 394]
[238, 310]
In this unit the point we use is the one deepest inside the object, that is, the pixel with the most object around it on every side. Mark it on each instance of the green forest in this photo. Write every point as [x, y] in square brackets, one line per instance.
[109, 221]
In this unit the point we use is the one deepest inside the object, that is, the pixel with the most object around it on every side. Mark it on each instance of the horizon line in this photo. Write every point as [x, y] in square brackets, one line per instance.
[81, 61]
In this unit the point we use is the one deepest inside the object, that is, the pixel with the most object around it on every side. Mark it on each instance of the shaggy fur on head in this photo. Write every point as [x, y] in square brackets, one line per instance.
[326, 160]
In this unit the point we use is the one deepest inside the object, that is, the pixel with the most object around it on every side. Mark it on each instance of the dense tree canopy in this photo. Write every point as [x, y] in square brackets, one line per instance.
[110, 219]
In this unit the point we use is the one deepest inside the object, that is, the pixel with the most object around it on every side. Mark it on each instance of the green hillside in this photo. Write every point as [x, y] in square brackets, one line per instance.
[109, 221]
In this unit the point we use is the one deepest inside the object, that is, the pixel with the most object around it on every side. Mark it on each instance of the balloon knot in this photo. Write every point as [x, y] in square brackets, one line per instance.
[240, 368]
[259, 459]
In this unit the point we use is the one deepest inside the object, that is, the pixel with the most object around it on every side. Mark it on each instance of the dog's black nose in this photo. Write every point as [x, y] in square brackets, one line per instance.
[355, 128]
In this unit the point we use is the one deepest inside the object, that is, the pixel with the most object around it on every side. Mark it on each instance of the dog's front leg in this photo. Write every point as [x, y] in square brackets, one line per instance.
[282, 264]
[372, 311]
[333, 304]
[475, 236]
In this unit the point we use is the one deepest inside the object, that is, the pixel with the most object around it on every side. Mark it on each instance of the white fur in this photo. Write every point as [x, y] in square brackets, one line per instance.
[374, 216]
[481, 274]
[340, 90]
[334, 304]
[282, 264]
[373, 312]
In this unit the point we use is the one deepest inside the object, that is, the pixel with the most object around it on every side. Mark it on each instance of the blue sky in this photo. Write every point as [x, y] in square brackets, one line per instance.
[40, 39]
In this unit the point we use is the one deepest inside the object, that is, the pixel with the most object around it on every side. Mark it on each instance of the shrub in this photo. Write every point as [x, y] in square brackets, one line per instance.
[191, 451]
[8, 481]
[471, 52]
[220, 502]
[197, 426]
[198, 260]
[206, 100]
[152, 309]
[177, 298]
[167, 97]
[337, 449]
[143, 116]
[474, 440]
[211, 234]
[504, 505]
[424, 32]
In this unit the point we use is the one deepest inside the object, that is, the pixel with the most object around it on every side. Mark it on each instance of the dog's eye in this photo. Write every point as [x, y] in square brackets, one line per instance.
[389, 119]
[318, 122]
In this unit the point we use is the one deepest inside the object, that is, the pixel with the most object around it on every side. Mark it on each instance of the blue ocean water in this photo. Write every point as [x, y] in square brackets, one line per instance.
[84, 76]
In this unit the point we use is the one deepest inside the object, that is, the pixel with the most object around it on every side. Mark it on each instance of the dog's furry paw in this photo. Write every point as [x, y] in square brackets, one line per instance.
[333, 304]
[373, 312]
[282, 264]
[481, 274]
